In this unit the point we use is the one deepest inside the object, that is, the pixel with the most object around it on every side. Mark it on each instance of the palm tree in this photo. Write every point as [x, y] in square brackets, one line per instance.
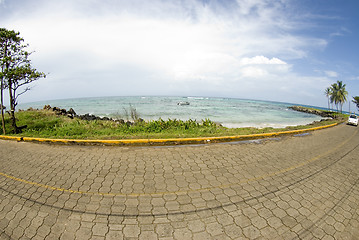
[333, 97]
[356, 101]
[339, 94]
[327, 93]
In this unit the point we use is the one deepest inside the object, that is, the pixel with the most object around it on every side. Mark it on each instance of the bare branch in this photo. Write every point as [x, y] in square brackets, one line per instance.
[24, 91]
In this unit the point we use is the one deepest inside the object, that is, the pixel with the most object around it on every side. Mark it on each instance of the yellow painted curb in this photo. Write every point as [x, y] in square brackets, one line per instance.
[167, 141]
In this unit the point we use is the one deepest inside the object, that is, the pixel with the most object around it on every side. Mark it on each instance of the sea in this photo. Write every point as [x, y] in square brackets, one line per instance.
[230, 112]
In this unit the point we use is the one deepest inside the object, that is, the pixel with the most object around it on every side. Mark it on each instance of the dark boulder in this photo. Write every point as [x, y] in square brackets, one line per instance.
[120, 121]
[89, 117]
[56, 109]
[72, 112]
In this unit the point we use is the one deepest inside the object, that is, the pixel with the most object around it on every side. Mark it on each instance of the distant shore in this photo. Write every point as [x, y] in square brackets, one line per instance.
[322, 113]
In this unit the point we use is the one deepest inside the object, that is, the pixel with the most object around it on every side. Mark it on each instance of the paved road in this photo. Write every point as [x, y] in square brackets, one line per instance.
[303, 187]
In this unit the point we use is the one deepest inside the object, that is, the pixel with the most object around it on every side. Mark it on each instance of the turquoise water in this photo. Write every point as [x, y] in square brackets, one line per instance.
[227, 111]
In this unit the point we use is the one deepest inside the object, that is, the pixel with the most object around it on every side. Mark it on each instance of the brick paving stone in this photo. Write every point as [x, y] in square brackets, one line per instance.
[114, 235]
[164, 230]
[182, 233]
[294, 188]
[131, 231]
[99, 229]
[214, 229]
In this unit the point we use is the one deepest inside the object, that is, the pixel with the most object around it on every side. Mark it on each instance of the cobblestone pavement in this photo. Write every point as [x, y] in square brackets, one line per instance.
[299, 187]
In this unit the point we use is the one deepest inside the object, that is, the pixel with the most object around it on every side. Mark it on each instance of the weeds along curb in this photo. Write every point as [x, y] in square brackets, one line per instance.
[156, 142]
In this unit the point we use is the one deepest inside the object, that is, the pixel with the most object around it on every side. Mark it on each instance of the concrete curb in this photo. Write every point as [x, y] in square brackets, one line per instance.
[168, 141]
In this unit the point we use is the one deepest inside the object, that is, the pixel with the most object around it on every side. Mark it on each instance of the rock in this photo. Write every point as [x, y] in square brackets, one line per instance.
[22, 127]
[72, 112]
[321, 113]
[88, 117]
[120, 121]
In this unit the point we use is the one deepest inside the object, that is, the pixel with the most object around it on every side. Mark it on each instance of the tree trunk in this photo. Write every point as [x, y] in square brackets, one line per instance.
[1, 106]
[12, 110]
[2, 93]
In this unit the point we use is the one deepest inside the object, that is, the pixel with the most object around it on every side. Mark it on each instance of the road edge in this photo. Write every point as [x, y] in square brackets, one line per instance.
[166, 141]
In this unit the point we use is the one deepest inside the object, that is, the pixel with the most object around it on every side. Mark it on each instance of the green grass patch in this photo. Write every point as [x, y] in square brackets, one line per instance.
[46, 124]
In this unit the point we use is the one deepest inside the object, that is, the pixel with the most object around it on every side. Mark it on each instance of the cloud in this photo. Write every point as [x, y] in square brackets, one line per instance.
[261, 60]
[162, 47]
[342, 31]
[331, 74]
[262, 67]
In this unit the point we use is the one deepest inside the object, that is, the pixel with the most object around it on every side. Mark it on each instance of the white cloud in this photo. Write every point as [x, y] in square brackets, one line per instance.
[331, 74]
[261, 60]
[254, 72]
[198, 48]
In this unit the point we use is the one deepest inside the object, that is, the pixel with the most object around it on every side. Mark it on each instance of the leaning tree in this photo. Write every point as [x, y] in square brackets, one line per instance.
[16, 71]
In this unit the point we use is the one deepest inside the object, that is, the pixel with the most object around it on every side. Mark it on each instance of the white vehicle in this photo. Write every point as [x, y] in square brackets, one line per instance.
[353, 120]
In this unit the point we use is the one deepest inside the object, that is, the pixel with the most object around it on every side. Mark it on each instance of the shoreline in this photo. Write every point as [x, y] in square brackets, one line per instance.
[232, 111]
[259, 125]
[65, 127]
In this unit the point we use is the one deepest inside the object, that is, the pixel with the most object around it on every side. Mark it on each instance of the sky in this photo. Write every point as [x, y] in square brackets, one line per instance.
[277, 50]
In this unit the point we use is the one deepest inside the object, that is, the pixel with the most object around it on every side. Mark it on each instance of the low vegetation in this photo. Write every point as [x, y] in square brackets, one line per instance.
[47, 124]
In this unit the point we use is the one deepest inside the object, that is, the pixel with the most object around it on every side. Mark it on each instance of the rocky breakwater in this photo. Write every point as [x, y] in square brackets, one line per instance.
[322, 113]
[58, 111]
[88, 117]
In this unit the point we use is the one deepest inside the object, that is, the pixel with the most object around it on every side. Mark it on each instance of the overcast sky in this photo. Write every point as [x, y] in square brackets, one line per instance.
[279, 50]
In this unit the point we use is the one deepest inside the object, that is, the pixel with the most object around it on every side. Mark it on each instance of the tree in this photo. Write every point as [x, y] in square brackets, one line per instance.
[327, 93]
[338, 94]
[6, 39]
[333, 99]
[16, 70]
[356, 101]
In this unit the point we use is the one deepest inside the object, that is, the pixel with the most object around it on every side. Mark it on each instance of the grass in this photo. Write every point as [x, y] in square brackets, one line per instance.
[46, 124]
